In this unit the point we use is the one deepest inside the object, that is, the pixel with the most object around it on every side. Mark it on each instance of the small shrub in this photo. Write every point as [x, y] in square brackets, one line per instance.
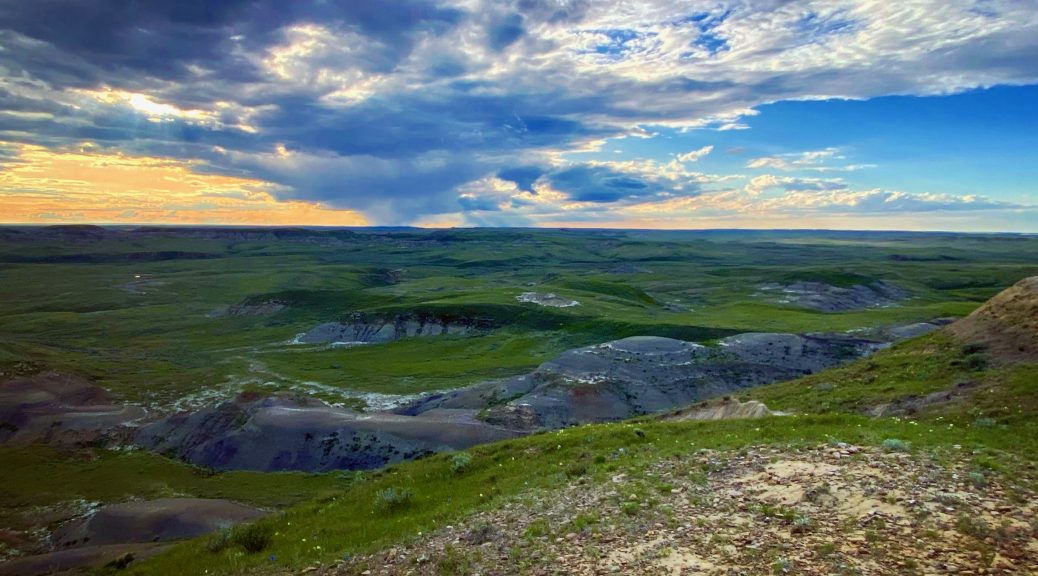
[974, 348]
[827, 549]
[971, 526]
[630, 508]
[253, 537]
[976, 362]
[582, 522]
[895, 445]
[978, 479]
[801, 524]
[219, 541]
[453, 562]
[392, 499]
[460, 462]
[576, 469]
[537, 528]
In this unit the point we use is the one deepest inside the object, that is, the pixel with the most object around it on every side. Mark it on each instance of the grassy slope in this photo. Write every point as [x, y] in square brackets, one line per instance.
[1002, 398]
[997, 426]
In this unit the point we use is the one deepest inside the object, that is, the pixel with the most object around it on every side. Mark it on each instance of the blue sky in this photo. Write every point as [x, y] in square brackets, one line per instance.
[982, 141]
[645, 113]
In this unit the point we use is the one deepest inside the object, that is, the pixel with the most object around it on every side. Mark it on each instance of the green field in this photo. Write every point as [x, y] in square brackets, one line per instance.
[142, 318]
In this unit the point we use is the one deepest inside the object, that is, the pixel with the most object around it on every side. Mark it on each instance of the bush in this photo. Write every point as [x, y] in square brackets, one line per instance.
[453, 561]
[974, 348]
[976, 362]
[537, 528]
[219, 541]
[390, 499]
[978, 479]
[253, 537]
[895, 445]
[576, 469]
[460, 461]
[631, 508]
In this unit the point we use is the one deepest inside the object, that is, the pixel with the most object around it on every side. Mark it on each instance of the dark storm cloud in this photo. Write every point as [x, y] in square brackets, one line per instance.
[162, 38]
[506, 31]
[523, 176]
[601, 184]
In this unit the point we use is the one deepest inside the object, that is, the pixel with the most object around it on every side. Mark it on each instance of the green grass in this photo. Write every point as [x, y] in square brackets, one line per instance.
[39, 476]
[913, 368]
[355, 521]
[432, 363]
[835, 277]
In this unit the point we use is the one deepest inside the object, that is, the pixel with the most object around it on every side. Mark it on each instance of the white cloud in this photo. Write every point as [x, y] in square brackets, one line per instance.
[696, 155]
[812, 160]
[761, 184]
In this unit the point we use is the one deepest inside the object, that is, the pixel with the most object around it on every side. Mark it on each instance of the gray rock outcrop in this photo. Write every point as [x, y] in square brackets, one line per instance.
[374, 329]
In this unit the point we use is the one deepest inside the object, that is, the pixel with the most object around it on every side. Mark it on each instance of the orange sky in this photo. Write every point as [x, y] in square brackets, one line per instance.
[91, 185]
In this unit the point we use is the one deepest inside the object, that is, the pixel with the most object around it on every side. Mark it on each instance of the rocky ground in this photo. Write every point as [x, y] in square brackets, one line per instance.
[367, 329]
[648, 374]
[828, 298]
[546, 299]
[833, 509]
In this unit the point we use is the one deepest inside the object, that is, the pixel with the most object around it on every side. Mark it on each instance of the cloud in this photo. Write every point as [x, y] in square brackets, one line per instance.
[811, 160]
[761, 184]
[638, 193]
[599, 184]
[93, 185]
[695, 155]
[524, 177]
[883, 201]
[506, 31]
[391, 109]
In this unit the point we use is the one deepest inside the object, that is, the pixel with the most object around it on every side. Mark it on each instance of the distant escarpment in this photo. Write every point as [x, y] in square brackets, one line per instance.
[374, 328]
[829, 298]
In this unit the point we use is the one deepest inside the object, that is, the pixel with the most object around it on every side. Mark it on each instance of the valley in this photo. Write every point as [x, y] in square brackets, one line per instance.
[332, 361]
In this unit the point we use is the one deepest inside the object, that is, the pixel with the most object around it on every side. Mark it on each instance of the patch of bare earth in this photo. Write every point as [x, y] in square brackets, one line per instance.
[827, 510]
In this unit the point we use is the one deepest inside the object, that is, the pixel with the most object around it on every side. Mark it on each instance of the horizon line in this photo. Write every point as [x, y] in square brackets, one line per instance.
[559, 228]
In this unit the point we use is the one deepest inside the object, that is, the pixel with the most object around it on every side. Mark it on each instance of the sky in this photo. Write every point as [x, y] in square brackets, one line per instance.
[909, 115]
